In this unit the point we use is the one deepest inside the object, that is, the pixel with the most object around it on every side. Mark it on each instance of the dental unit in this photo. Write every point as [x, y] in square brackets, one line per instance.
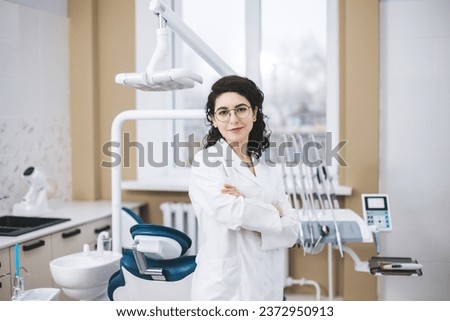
[323, 222]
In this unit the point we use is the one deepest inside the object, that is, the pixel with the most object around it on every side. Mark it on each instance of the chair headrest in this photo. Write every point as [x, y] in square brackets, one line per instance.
[162, 231]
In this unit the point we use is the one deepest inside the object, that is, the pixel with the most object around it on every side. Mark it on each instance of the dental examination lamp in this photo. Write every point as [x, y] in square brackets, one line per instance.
[35, 200]
[154, 79]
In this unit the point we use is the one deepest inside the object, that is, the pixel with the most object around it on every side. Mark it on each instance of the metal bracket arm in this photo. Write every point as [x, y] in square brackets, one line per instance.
[161, 9]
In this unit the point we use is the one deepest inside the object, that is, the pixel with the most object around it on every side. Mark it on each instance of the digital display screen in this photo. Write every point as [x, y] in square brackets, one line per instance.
[376, 203]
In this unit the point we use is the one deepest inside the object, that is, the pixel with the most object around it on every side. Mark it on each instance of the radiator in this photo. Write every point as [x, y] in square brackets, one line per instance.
[181, 216]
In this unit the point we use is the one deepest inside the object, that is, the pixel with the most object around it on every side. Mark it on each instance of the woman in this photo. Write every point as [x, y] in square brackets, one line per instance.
[245, 217]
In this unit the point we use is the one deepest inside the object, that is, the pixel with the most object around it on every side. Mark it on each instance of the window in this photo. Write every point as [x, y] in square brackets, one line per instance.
[293, 64]
[284, 45]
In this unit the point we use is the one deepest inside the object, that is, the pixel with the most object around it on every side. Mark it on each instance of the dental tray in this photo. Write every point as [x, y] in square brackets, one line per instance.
[378, 266]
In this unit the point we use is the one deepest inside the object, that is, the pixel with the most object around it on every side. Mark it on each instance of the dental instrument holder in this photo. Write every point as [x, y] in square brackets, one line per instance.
[403, 266]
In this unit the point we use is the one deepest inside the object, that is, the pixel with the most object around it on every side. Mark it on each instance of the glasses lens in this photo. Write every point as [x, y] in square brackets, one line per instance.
[223, 115]
[242, 111]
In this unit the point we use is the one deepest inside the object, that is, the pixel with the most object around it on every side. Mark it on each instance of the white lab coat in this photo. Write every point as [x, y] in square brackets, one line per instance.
[242, 239]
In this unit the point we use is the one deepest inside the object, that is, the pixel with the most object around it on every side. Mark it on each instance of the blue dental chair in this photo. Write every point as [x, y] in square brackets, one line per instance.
[154, 267]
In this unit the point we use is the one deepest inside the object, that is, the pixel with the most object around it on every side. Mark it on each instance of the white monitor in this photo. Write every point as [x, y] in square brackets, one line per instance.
[376, 211]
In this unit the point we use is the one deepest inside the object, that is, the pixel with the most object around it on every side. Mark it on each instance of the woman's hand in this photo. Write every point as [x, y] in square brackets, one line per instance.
[230, 190]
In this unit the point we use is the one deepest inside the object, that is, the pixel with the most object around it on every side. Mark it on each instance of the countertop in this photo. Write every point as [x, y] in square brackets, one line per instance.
[79, 212]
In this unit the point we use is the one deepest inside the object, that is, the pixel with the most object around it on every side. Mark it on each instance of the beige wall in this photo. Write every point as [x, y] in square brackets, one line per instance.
[359, 53]
[84, 99]
[102, 45]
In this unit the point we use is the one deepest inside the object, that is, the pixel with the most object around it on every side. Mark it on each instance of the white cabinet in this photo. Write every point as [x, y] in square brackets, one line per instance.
[5, 280]
[68, 241]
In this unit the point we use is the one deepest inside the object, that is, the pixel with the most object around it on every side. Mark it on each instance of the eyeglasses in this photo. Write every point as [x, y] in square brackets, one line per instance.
[224, 114]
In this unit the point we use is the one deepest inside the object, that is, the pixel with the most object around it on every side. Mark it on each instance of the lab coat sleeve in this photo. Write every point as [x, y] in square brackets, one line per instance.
[205, 193]
[288, 235]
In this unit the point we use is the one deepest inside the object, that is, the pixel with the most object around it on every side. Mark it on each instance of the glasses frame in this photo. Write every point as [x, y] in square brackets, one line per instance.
[249, 108]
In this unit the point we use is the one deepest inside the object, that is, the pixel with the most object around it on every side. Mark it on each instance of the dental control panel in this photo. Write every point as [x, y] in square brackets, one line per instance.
[376, 212]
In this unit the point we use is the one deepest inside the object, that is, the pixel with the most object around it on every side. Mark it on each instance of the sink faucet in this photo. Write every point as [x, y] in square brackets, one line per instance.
[19, 285]
[100, 242]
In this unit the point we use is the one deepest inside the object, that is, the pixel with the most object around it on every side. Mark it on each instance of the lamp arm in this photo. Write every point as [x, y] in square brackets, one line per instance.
[160, 8]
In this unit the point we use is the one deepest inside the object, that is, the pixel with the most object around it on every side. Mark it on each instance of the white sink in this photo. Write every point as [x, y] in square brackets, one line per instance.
[85, 275]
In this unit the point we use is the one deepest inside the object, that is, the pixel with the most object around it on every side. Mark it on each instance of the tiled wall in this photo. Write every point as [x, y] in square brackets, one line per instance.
[414, 150]
[34, 101]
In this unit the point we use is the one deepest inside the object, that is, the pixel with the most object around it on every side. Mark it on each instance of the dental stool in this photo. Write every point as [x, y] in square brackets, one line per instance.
[155, 269]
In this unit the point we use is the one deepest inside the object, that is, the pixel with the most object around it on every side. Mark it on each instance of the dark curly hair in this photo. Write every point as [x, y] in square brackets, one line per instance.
[258, 139]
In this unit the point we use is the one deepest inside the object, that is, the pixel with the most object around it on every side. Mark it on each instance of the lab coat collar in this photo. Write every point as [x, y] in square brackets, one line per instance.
[232, 160]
